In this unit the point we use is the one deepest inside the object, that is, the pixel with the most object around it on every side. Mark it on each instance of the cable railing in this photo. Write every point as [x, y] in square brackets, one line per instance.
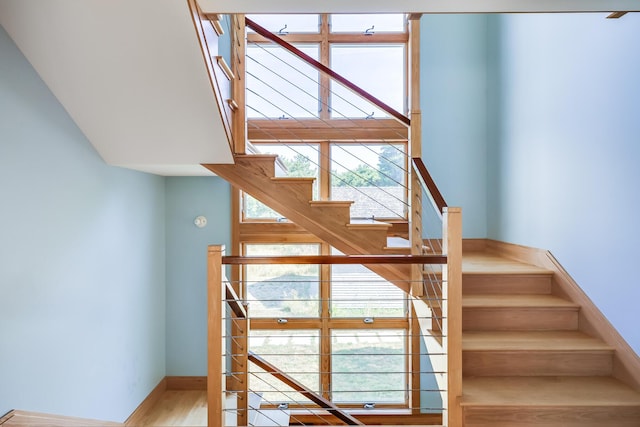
[339, 161]
[379, 361]
[292, 107]
[324, 69]
[280, 115]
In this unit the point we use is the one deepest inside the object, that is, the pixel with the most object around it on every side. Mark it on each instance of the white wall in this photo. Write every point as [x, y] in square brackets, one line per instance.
[82, 286]
[569, 148]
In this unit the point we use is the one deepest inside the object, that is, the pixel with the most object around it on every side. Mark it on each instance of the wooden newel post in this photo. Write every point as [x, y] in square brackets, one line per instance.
[216, 296]
[452, 292]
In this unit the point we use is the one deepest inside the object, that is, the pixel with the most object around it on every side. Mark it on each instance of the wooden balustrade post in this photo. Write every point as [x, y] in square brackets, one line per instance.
[415, 150]
[238, 57]
[452, 293]
[240, 366]
[216, 295]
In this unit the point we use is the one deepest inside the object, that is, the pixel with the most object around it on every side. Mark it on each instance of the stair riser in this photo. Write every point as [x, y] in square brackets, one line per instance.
[519, 319]
[536, 363]
[339, 213]
[291, 199]
[302, 190]
[590, 416]
[506, 283]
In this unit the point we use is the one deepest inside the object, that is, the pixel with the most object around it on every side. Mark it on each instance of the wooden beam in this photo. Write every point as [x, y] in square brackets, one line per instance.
[359, 38]
[336, 259]
[452, 294]
[616, 15]
[238, 93]
[316, 130]
[216, 347]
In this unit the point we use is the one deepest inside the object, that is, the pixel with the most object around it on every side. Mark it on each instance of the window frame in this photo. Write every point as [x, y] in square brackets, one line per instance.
[252, 231]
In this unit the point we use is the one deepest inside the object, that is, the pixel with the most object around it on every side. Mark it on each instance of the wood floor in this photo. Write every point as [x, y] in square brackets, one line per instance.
[525, 362]
[177, 408]
[35, 419]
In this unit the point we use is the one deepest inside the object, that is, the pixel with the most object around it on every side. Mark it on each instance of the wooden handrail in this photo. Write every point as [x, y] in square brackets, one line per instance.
[314, 397]
[336, 259]
[234, 302]
[323, 68]
[430, 184]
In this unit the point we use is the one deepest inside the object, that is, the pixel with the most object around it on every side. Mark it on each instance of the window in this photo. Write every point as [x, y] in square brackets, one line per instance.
[269, 95]
[375, 23]
[295, 352]
[282, 290]
[285, 24]
[295, 160]
[358, 292]
[371, 175]
[368, 366]
[378, 69]
[318, 322]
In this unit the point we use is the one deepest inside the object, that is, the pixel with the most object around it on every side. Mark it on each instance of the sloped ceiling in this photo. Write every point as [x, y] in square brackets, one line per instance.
[131, 75]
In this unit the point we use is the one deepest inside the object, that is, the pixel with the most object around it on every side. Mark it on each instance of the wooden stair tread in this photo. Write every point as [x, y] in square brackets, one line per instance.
[516, 301]
[547, 391]
[302, 179]
[254, 156]
[484, 263]
[336, 203]
[368, 224]
[531, 341]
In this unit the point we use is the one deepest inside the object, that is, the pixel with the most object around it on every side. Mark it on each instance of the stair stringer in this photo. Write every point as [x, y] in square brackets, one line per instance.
[254, 174]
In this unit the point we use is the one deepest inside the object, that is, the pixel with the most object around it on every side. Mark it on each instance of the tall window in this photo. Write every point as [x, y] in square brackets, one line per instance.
[340, 330]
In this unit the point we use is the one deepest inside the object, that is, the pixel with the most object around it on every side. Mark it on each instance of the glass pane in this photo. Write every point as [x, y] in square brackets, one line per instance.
[378, 69]
[279, 84]
[297, 353]
[283, 290]
[298, 160]
[368, 366]
[287, 23]
[360, 23]
[254, 209]
[372, 176]
[356, 291]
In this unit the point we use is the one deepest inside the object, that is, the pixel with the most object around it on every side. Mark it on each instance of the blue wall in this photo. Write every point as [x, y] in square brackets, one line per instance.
[453, 95]
[187, 198]
[82, 285]
[569, 150]
[531, 124]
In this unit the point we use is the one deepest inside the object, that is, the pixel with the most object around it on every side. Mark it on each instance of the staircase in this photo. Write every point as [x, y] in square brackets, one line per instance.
[327, 219]
[525, 360]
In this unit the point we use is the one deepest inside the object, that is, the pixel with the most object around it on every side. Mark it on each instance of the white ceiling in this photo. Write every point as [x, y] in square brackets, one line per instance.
[131, 73]
[422, 6]
[132, 76]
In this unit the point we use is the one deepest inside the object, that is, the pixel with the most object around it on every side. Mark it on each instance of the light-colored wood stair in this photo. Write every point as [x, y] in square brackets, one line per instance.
[328, 220]
[525, 361]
